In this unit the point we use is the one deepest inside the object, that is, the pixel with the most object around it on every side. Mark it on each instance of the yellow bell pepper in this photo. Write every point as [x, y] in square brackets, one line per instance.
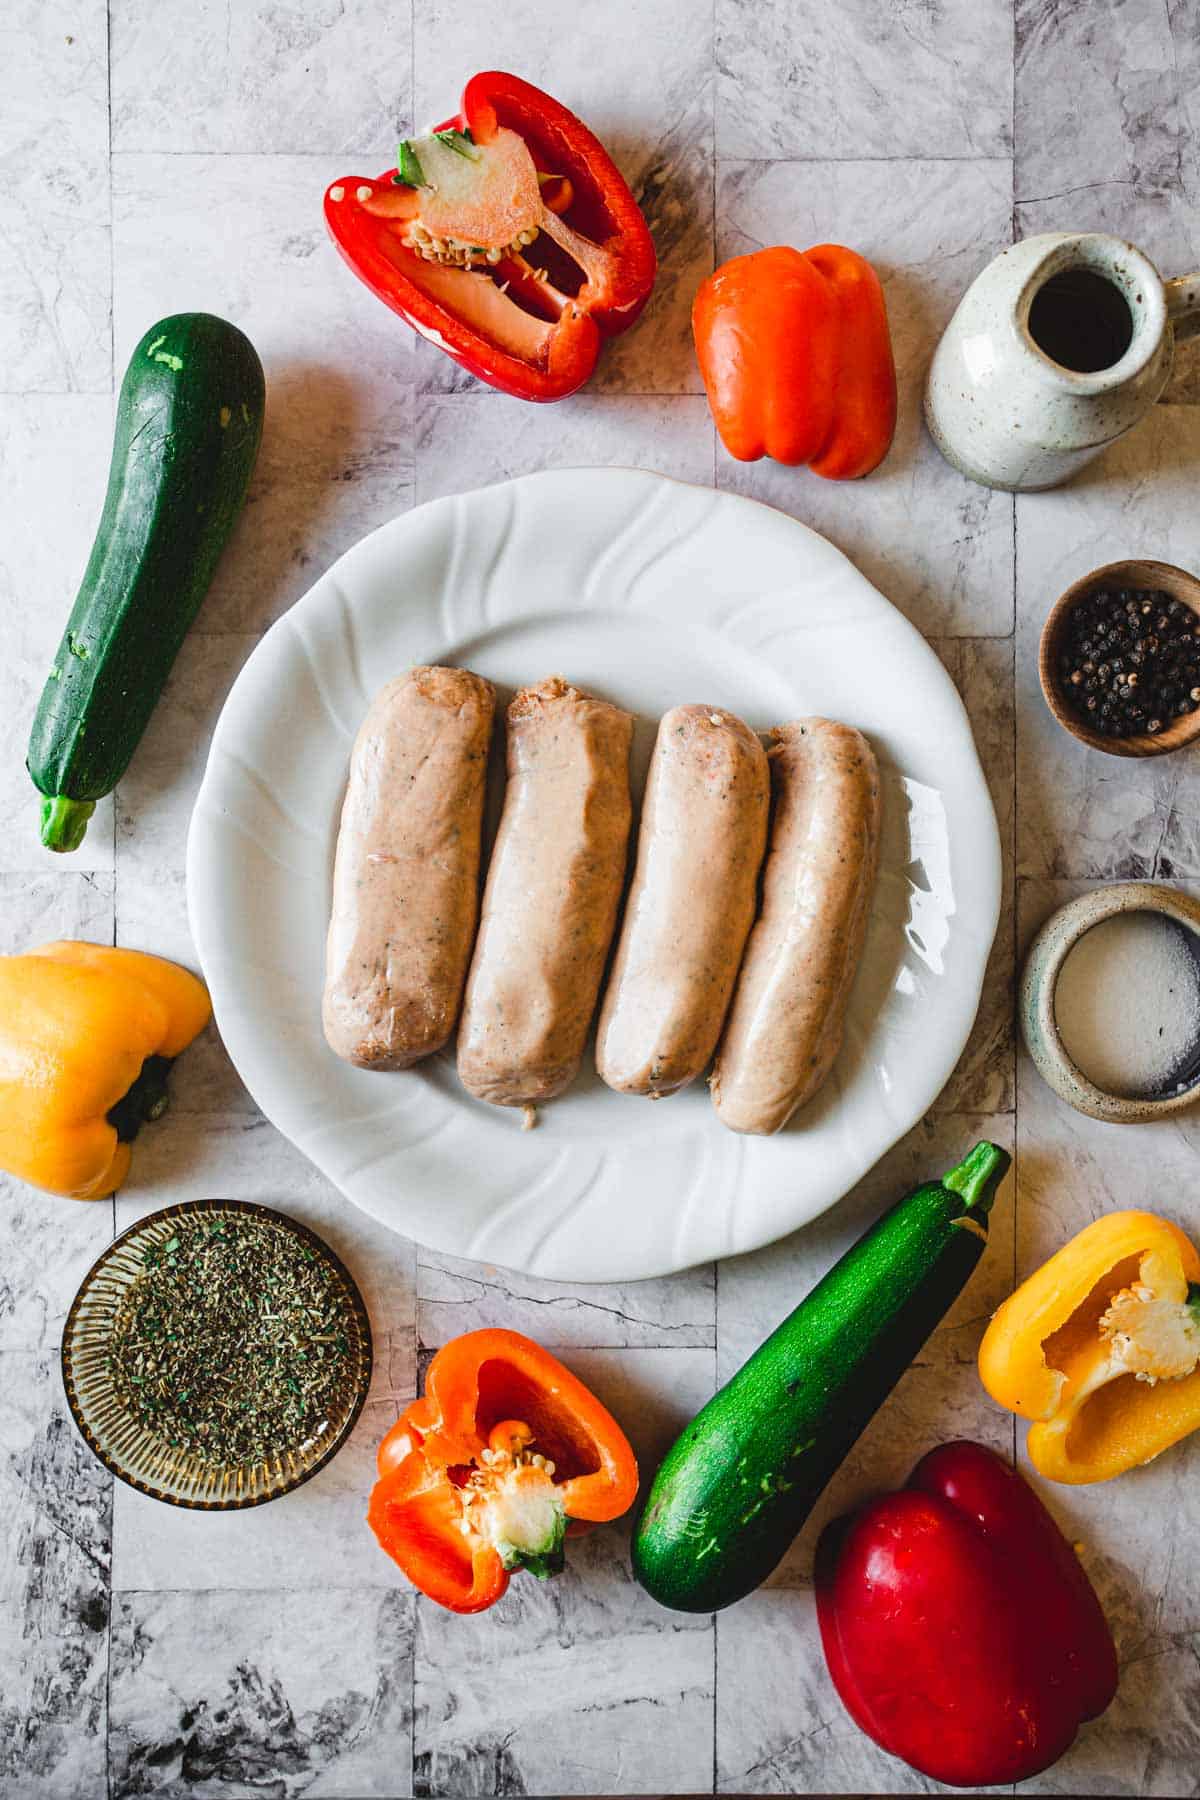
[86, 1036]
[1101, 1349]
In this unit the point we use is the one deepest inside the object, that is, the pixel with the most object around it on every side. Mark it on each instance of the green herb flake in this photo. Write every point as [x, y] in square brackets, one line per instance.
[197, 1359]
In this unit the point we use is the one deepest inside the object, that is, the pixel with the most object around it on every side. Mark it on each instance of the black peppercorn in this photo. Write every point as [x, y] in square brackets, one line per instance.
[1128, 661]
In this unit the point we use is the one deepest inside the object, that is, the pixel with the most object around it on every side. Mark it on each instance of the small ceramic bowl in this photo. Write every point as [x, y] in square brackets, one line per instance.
[1177, 584]
[1039, 980]
[134, 1453]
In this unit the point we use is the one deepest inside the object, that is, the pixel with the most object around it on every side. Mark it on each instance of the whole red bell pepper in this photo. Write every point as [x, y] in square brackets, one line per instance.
[796, 357]
[507, 236]
[959, 1627]
[505, 1455]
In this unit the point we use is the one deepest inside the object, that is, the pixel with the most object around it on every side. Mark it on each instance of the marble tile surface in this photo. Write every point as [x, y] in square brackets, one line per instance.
[982, 670]
[55, 266]
[163, 157]
[1107, 104]
[455, 1296]
[799, 79]
[333, 78]
[55, 1539]
[303, 1692]
[467, 440]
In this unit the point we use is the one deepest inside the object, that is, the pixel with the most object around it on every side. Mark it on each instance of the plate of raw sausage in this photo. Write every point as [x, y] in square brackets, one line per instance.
[607, 602]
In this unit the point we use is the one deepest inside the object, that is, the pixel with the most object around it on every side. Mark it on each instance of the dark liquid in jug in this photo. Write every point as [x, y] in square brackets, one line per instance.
[1081, 321]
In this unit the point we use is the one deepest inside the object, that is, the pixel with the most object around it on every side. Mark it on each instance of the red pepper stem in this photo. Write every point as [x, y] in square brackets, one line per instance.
[978, 1175]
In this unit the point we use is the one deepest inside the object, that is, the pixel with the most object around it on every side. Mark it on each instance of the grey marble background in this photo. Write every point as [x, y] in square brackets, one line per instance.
[156, 156]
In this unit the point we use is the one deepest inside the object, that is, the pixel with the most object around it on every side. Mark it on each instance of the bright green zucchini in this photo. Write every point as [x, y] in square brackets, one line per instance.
[737, 1486]
[189, 421]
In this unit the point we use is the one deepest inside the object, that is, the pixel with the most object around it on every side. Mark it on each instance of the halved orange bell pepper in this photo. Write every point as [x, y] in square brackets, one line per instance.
[1101, 1349]
[87, 1034]
[504, 1455]
[796, 357]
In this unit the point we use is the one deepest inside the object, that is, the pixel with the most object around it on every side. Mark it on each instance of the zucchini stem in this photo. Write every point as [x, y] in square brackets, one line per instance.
[64, 821]
[978, 1175]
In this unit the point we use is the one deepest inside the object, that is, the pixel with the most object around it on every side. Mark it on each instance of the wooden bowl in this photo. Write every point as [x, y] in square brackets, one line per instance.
[1177, 584]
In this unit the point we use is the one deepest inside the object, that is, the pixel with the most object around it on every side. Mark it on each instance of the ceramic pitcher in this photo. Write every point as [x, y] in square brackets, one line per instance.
[1061, 345]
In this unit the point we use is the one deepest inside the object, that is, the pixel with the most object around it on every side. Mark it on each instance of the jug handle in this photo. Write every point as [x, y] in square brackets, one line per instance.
[1183, 305]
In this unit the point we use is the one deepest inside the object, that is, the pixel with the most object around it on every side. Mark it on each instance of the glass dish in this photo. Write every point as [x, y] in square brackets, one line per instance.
[134, 1453]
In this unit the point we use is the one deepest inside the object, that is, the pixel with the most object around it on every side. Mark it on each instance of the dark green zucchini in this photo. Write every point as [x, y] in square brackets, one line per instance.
[741, 1480]
[189, 420]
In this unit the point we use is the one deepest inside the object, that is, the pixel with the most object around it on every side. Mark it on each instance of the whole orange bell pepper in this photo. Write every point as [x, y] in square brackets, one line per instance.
[506, 1452]
[1101, 1349]
[796, 356]
[87, 1033]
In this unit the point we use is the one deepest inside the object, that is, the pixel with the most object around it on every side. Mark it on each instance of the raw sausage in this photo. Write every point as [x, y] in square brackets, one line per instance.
[406, 875]
[550, 904]
[691, 906]
[789, 1008]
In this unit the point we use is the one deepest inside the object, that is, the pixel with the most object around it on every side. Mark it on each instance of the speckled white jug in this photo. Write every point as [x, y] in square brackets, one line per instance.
[1002, 411]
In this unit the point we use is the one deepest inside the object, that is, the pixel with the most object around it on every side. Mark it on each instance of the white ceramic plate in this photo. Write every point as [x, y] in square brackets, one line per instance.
[651, 593]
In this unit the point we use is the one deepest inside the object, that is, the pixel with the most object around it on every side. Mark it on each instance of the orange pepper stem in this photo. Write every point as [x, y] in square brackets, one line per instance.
[146, 1100]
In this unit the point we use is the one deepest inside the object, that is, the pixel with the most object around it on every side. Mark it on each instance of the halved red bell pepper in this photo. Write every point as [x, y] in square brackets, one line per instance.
[958, 1624]
[508, 237]
[505, 1455]
[796, 356]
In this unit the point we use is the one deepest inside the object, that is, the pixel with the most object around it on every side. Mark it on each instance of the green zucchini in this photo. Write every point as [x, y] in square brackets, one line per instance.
[189, 420]
[739, 1483]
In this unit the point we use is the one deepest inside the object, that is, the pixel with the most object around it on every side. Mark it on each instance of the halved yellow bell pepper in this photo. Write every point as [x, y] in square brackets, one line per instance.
[87, 1033]
[1101, 1349]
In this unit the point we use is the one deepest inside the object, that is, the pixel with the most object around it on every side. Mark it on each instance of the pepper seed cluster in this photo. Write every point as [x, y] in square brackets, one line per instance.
[1130, 661]
[458, 252]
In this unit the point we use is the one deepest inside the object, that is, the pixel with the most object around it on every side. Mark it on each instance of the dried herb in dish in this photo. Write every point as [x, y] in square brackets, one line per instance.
[231, 1344]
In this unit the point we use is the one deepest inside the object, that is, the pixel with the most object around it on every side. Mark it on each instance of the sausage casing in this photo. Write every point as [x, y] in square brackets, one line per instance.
[789, 1007]
[552, 893]
[691, 906]
[406, 874]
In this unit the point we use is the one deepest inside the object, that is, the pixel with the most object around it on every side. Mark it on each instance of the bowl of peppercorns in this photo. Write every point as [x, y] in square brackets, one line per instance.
[1120, 659]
